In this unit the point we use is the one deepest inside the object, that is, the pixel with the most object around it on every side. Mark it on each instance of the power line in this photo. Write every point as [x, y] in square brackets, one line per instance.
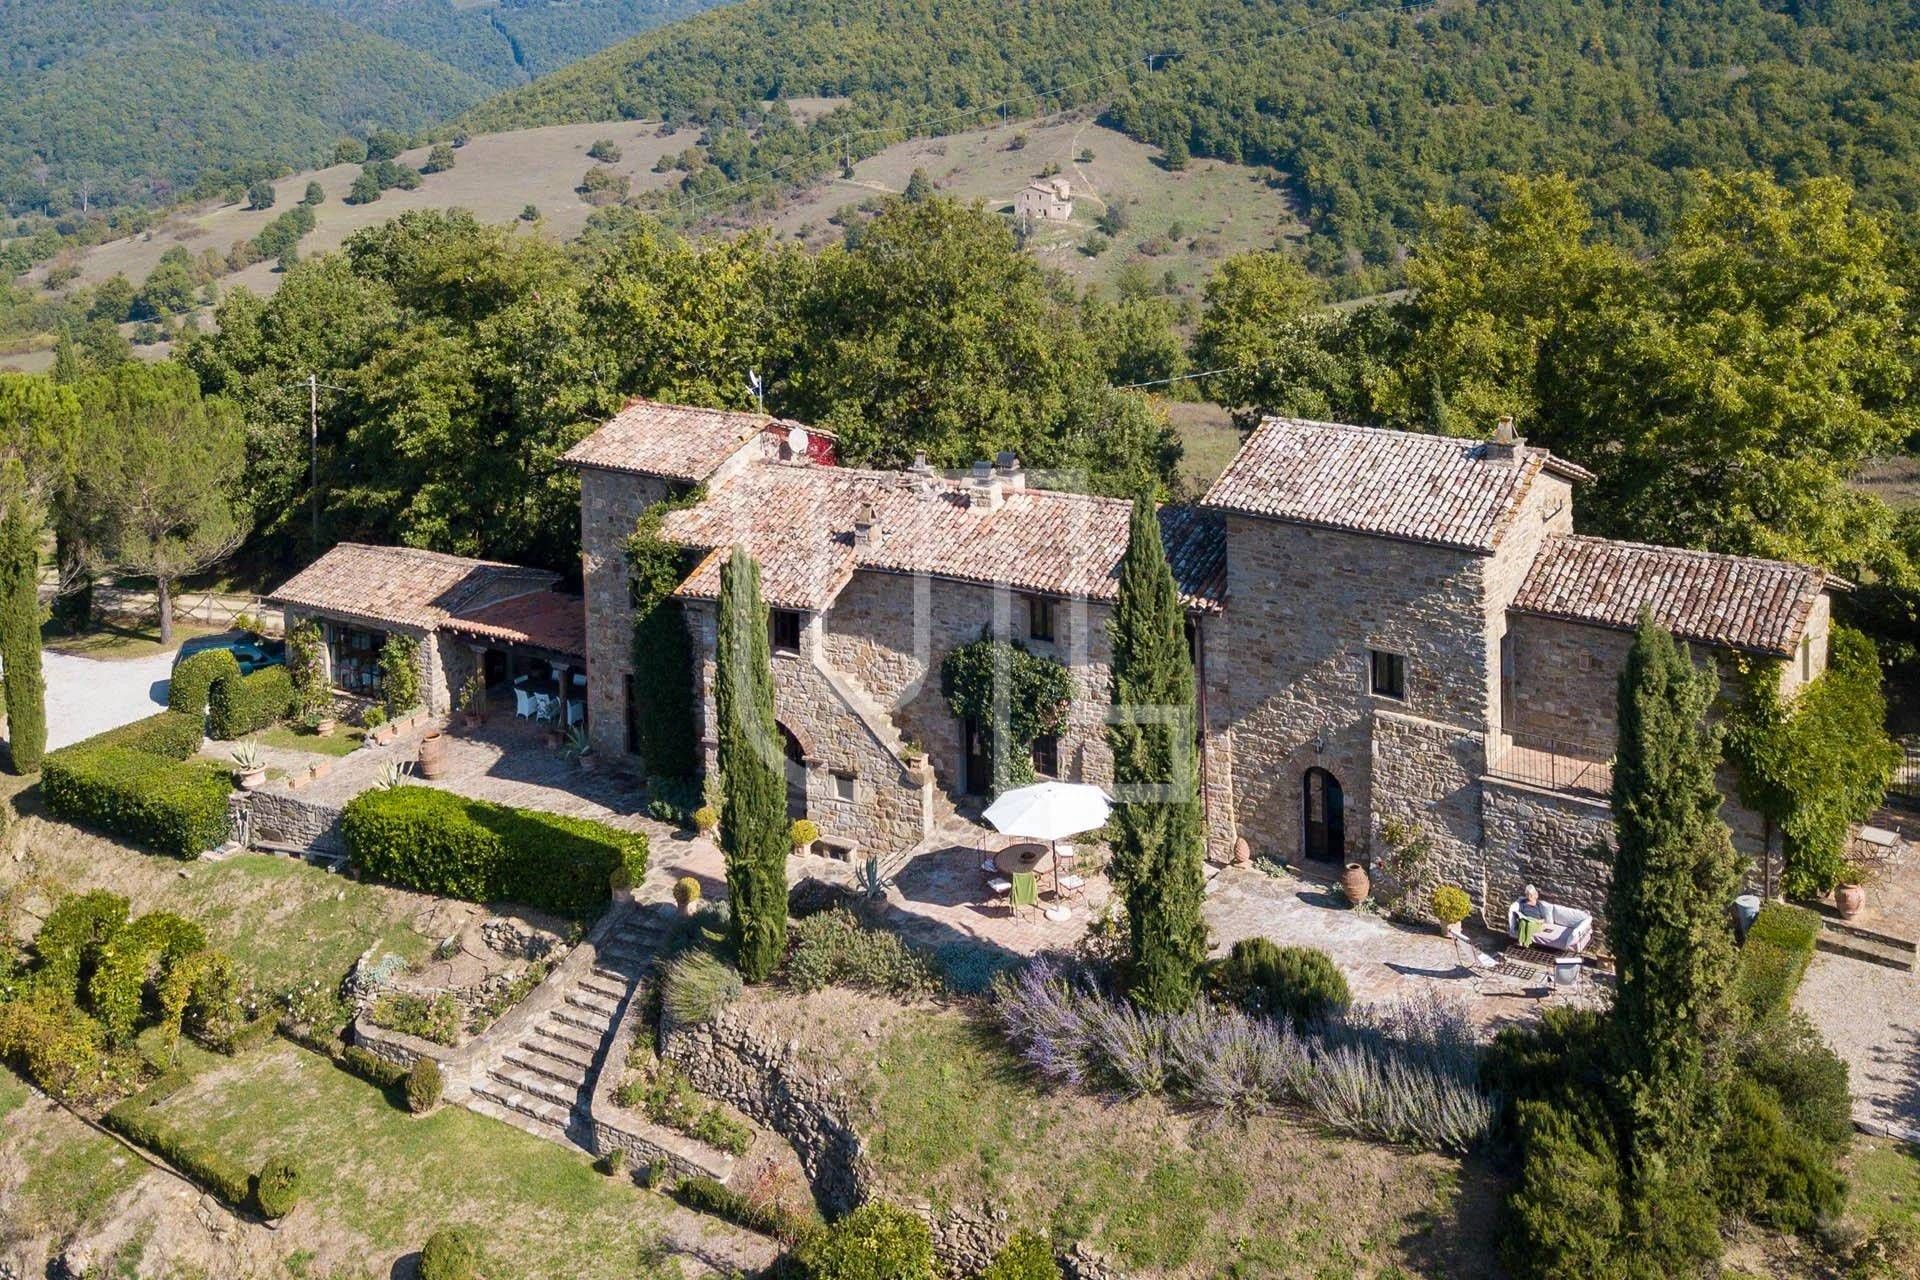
[1186, 377]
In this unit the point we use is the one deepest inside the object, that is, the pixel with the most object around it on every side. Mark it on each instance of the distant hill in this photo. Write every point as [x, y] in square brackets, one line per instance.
[116, 100]
[1371, 117]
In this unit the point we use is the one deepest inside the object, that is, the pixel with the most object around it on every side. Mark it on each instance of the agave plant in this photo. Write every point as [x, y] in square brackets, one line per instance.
[246, 756]
[394, 773]
[577, 743]
[872, 882]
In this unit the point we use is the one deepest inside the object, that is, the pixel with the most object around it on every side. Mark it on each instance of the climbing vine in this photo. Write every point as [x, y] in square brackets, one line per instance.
[665, 718]
[1036, 694]
[307, 666]
[1817, 764]
[400, 673]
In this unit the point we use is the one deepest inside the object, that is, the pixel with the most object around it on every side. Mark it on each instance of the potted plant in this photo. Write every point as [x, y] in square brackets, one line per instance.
[554, 735]
[249, 768]
[913, 754]
[1451, 906]
[802, 834]
[579, 749]
[686, 892]
[706, 820]
[1850, 895]
[473, 701]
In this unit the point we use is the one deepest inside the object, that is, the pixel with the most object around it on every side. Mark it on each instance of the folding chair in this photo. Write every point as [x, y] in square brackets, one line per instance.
[1025, 892]
[1000, 887]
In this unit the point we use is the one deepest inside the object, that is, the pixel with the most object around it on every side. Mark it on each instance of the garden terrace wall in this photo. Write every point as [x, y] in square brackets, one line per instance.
[726, 1059]
[617, 1129]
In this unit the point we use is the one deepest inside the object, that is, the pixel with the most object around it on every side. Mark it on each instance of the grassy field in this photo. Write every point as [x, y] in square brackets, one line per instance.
[1217, 209]
[118, 641]
[344, 740]
[282, 920]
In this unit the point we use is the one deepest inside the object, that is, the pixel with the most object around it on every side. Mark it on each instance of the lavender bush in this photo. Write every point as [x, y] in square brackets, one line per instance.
[1406, 1071]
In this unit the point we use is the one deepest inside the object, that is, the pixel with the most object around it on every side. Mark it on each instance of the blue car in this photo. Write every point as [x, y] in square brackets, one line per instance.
[251, 651]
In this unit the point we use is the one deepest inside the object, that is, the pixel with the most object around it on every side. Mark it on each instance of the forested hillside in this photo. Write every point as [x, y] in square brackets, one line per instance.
[1372, 116]
[105, 101]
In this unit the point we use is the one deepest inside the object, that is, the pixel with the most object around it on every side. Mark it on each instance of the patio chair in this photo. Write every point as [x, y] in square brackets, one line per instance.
[576, 712]
[522, 702]
[1001, 888]
[1026, 892]
[1072, 886]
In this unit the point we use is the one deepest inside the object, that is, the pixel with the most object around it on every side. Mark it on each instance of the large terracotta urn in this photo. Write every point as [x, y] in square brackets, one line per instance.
[433, 754]
[1355, 883]
[1850, 898]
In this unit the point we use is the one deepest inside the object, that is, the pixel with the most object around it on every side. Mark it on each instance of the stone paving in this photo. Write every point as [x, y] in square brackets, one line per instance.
[86, 696]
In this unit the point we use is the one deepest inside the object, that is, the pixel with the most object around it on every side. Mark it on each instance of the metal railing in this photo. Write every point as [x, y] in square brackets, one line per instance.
[1904, 791]
[1578, 768]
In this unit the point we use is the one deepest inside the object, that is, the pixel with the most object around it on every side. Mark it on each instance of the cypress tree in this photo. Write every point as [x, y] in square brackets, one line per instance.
[1674, 875]
[753, 805]
[1160, 841]
[25, 686]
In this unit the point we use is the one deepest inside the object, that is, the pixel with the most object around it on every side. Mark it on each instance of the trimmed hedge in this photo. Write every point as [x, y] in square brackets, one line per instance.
[1778, 948]
[165, 805]
[194, 678]
[240, 705]
[136, 1120]
[172, 735]
[437, 842]
[277, 1189]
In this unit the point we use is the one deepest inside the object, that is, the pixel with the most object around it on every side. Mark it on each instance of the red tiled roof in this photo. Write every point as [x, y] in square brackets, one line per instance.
[797, 521]
[673, 441]
[402, 586]
[1731, 602]
[1439, 489]
[550, 620]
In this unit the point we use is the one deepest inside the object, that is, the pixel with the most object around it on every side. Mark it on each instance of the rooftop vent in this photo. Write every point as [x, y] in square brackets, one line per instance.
[1505, 445]
[866, 526]
[983, 487]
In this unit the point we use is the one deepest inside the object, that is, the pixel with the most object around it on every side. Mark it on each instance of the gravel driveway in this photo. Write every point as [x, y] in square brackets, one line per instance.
[1871, 1017]
[86, 696]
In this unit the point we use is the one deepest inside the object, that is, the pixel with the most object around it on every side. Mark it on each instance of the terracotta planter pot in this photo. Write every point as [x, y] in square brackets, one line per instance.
[1850, 898]
[325, 728]
[433, 755]
[252, 779]
[469, 719]
[1242, 853]
[586, 764]
[1355, 883]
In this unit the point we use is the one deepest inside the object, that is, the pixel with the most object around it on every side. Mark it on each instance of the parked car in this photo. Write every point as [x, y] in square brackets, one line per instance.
[251, 651]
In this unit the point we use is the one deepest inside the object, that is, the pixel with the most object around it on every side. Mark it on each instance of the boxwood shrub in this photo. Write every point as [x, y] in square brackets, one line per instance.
[437, 842]
[174, 735]
[240, 705]
[277, 1189]
[169, 806]
[137, 1120]
[194, 678]
[1774, 958]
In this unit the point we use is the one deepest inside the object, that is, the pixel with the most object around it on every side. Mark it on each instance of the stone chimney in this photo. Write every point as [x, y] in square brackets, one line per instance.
[1505, 445]
[866, 527]
[1007, 469]
[983, 487]
[920, 465]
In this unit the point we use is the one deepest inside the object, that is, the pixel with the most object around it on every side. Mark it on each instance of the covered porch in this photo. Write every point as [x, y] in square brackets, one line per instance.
[523, 658]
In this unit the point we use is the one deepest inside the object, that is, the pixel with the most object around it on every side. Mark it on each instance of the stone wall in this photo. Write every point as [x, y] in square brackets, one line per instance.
[724, 1059]
[1427, 775]
[280, 817]
[610, 505]
[614, 1128]
[1545, 509]
[1560, 843]
[1566, 680]
[1306, 606]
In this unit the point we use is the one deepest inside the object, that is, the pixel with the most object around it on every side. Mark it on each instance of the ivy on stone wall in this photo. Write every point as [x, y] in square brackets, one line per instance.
[1815, 765]
[1036, 693]
[400, 673]
[665, 717]
[307, 666]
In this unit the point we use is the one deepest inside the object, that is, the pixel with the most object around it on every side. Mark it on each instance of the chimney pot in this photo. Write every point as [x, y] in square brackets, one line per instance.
[866, 528]
[1503, 430]
[920, 466]
[982, 469]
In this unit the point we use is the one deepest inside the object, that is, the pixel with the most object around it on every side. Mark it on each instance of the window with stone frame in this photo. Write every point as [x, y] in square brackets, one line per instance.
[1040, 618]
[1387, 673]
[1046, 755]
[844, 786]
[783, 627]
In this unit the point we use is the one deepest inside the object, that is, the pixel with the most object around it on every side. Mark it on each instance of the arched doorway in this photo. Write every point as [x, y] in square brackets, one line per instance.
[796, 770]
[1323, 810]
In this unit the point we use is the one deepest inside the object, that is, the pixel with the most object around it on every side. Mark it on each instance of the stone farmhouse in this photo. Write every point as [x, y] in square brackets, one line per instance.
[1387, 627]
[1045, 200]
[1392, 632]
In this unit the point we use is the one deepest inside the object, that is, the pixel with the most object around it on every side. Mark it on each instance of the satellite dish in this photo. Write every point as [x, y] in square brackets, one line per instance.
[797, 441]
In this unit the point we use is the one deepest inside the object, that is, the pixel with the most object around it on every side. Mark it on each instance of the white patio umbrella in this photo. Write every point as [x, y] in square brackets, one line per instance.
[1050, 811]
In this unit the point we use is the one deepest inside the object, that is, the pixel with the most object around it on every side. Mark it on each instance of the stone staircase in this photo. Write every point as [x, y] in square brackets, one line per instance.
[878, 722]
[542, 1080]
[1844, 938]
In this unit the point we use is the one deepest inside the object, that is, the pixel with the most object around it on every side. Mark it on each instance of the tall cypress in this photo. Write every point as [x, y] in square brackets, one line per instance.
[1160, 838]
[1674, 876]
[25, 686]
[753, 805]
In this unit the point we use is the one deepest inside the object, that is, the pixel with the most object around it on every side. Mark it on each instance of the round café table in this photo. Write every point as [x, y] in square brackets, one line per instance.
[1039, 859]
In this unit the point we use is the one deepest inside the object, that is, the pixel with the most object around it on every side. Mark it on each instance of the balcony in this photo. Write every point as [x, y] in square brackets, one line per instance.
[1576, 768]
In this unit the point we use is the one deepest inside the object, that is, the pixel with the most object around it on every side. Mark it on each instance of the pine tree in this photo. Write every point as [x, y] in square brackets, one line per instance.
[753, 806]
[26, 687]
[1674, 875]
[1160, 840]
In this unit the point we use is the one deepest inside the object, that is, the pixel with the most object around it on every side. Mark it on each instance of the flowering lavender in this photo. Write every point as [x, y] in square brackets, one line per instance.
[1406, 1071]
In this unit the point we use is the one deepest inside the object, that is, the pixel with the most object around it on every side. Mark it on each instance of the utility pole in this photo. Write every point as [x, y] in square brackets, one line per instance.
[313, 456]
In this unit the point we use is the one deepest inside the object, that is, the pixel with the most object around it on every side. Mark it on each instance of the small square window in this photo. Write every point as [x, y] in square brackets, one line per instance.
[1046, 755]
[785, 627]
[1389, 674]
[843, 786]
[1039, 618]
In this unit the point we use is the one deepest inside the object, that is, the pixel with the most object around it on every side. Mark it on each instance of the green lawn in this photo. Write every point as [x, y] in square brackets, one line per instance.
[284, 921]
[378, 1179]
[953, 1119]
[68, 1174]
[1885, 1181]
[344, 740]
[114, 641]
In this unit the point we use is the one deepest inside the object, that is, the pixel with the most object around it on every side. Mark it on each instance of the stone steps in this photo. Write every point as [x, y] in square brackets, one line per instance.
[531, 1055]
[535, 1084]
[555, 1032]
[1864, 946]
[593, 1022]
[531, 1115]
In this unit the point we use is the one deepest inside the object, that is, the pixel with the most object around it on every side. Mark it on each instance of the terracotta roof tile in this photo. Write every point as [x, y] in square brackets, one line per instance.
[798, 522]
[403, 586]
[550, 620]
[1733, 602]
[1439, 489]
[673, 441]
